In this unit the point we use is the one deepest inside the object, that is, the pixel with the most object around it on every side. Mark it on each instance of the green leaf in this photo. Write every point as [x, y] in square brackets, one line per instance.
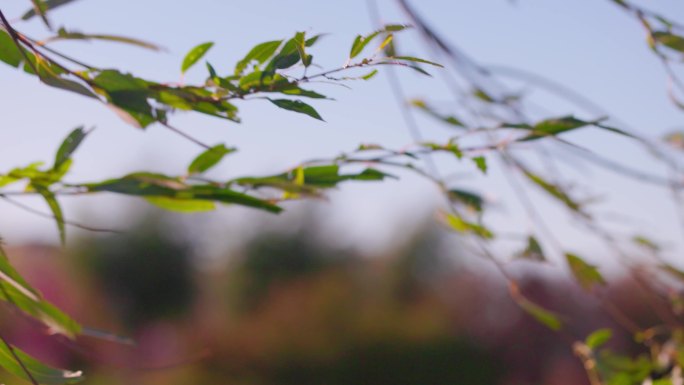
[51, 200]
[195, 55]
[467, 198]
[451, 120]
[288, 56]
[260, 54]
[9, 52]
[646, 243]
[63, 34]
[157, 185]
[462, 226]
[533, 251]
[553, 190]
[416, 60]
[181, 205]
[45, 6]
[481, 163]
[315, 177]
[360, 42]
[209, 159]
[15, 290]
[598, 338]
[669, 40]
[68, 146]
[543, 316]
[369, 75]
[586, 275]
[40, 9]
[40, 372]
[296, 106]
[128, 96]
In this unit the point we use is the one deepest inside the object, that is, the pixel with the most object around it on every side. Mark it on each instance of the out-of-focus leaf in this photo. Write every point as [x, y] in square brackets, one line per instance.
[598, 338]
[195, 54]
[669, 40]
[369, 75]
[555, 126]
[296, 106]
[40, 372]
[646, 243]
[416, 60]
[533, 251]
[45, 6]
[15, 290]
[462, 226]
[63, 34]
[553, 190]
[51, 200]
[585, 274]
[451, 120]
[543, 316]
[181, 205]
[481, 163]
[467, 198]
[40, 9]
[68, 146]
[9, 52]
[451, 147]
[675, 139]
[209, 158]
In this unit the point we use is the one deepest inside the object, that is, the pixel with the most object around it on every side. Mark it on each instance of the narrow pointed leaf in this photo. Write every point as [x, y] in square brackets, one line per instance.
[296, 106]
[195, 55]
[209, 159]
[69, 145]
[40, 372]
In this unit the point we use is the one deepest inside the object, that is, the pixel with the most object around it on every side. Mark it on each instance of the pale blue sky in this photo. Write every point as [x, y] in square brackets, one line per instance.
[588, 45]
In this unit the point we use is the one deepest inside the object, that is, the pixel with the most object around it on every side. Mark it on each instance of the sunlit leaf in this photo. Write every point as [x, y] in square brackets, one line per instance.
[63, 34]
[260, 54]
[195, 54]
[209, 158]
[462, 226]
[181, 205]
[416, 60]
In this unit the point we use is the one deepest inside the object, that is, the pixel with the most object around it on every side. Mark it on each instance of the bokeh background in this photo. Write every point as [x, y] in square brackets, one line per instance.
[365, 287]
